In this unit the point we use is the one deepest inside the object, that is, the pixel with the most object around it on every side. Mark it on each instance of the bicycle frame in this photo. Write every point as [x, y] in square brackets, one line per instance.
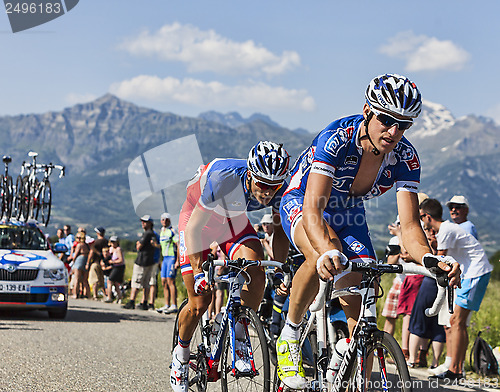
[363, 331]
[236, 281]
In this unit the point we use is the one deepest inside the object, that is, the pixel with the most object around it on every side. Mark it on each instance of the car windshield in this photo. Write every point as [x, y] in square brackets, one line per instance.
[22, 237]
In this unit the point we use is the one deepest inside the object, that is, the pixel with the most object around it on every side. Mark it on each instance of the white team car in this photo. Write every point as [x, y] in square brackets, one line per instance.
[31, 276]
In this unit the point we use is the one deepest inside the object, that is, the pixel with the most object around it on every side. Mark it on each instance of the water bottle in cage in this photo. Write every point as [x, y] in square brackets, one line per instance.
[336, 359]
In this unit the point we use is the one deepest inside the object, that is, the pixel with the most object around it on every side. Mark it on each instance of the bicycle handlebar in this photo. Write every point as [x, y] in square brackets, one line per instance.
[390, 268]
[240, 264]
[40, 167]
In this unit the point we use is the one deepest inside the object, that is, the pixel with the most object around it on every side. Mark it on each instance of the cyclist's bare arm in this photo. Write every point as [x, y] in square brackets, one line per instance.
[315, 200]
[193, 234]
[413, 236]
[280, 240]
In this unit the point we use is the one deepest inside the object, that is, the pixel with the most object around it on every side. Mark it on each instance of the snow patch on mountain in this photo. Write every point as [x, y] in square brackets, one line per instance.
[433, 119]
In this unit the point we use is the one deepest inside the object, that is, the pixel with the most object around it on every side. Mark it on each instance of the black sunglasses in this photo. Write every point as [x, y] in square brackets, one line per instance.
[457, 206]
[388, 121]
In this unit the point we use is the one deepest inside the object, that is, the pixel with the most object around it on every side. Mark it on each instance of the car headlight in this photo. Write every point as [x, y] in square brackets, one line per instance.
[55, 274]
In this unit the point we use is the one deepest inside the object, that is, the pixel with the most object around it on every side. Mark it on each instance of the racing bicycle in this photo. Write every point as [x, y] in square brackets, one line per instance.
[214, 344]
[6, 190]
[34, 196]
[364, 365]
[334, 312]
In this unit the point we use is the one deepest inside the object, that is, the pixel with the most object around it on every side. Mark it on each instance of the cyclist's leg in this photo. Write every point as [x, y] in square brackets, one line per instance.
[251, 295]
[246, 244]
[193, 311]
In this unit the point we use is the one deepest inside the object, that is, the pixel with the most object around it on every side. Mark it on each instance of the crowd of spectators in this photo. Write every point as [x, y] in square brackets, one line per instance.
[411, 295]
[97, 265]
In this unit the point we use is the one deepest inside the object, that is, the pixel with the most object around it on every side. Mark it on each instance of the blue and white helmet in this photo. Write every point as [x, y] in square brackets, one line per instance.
[268, 161]
[394, 94]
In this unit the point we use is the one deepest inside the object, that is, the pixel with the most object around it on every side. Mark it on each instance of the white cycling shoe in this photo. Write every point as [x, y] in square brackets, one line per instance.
[179, 375]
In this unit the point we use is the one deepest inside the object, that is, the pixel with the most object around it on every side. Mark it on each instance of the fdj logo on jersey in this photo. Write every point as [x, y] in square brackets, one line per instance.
[25, 14]
[339, 138]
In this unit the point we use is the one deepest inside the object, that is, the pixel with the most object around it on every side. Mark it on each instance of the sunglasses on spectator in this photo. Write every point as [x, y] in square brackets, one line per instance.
[389, 121]
[457, 206]
[263, 186]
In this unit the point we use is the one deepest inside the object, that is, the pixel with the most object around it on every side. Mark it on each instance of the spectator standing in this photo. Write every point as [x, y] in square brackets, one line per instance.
[267, 242]
[69, 239]
[423, 328]
[106, 267]
[96, 276]
[117, 262]
[80, 256]
[153, 283]
[143, 265]
[453, 241]
[168, 242]
[459, 209]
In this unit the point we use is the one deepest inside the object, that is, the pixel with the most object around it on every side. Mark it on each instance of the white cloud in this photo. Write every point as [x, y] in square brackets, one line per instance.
[209, 51]
[423, 53]
[214, 94]
[74, 98]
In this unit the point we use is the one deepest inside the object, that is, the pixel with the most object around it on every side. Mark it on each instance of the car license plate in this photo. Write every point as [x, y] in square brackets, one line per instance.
[14, 288]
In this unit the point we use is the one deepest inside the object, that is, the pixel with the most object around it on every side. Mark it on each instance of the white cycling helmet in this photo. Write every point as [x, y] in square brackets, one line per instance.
[394, 94]
[268, 161]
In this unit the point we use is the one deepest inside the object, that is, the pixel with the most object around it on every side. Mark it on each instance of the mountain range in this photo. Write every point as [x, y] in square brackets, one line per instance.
[98, 140]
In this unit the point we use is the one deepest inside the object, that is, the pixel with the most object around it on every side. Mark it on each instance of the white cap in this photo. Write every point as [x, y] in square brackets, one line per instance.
[146, 218]
[165, 215]
[113, 238]
[267, 218]
[457, 200]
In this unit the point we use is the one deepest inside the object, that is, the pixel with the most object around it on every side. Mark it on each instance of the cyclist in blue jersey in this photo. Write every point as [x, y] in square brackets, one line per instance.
[218, 197]
[352, 160]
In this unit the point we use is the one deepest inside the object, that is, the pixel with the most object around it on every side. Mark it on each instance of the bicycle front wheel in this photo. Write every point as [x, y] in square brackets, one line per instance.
[44, 205]
[259, 377]
[388, 371]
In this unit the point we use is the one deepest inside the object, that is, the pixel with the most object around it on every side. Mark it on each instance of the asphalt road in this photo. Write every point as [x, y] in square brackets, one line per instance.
[101, 347]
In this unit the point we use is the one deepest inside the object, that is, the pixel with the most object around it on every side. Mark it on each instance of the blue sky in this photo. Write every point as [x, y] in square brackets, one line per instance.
[302, 63]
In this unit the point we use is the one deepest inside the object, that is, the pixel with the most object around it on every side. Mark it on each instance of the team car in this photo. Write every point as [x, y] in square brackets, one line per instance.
[31, 275]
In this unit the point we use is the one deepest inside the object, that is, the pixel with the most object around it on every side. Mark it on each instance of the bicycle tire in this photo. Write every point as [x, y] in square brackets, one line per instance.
[10, 191]
[261, 381]
[26, 199]
[384, 376]
[197, 383]
[44, 202]
[2, 197]
[34, 199]
[16, 203]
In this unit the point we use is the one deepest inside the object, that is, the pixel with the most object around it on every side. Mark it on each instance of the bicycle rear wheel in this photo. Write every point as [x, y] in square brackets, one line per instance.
[384, 376]
[2, 197]
[197, 358]
[44, 205]
[21, 200]
[259, 379]
[9, 197]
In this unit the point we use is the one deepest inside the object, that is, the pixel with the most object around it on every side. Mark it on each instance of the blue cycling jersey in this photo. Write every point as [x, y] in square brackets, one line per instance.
[336, 152]
[224, 188]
